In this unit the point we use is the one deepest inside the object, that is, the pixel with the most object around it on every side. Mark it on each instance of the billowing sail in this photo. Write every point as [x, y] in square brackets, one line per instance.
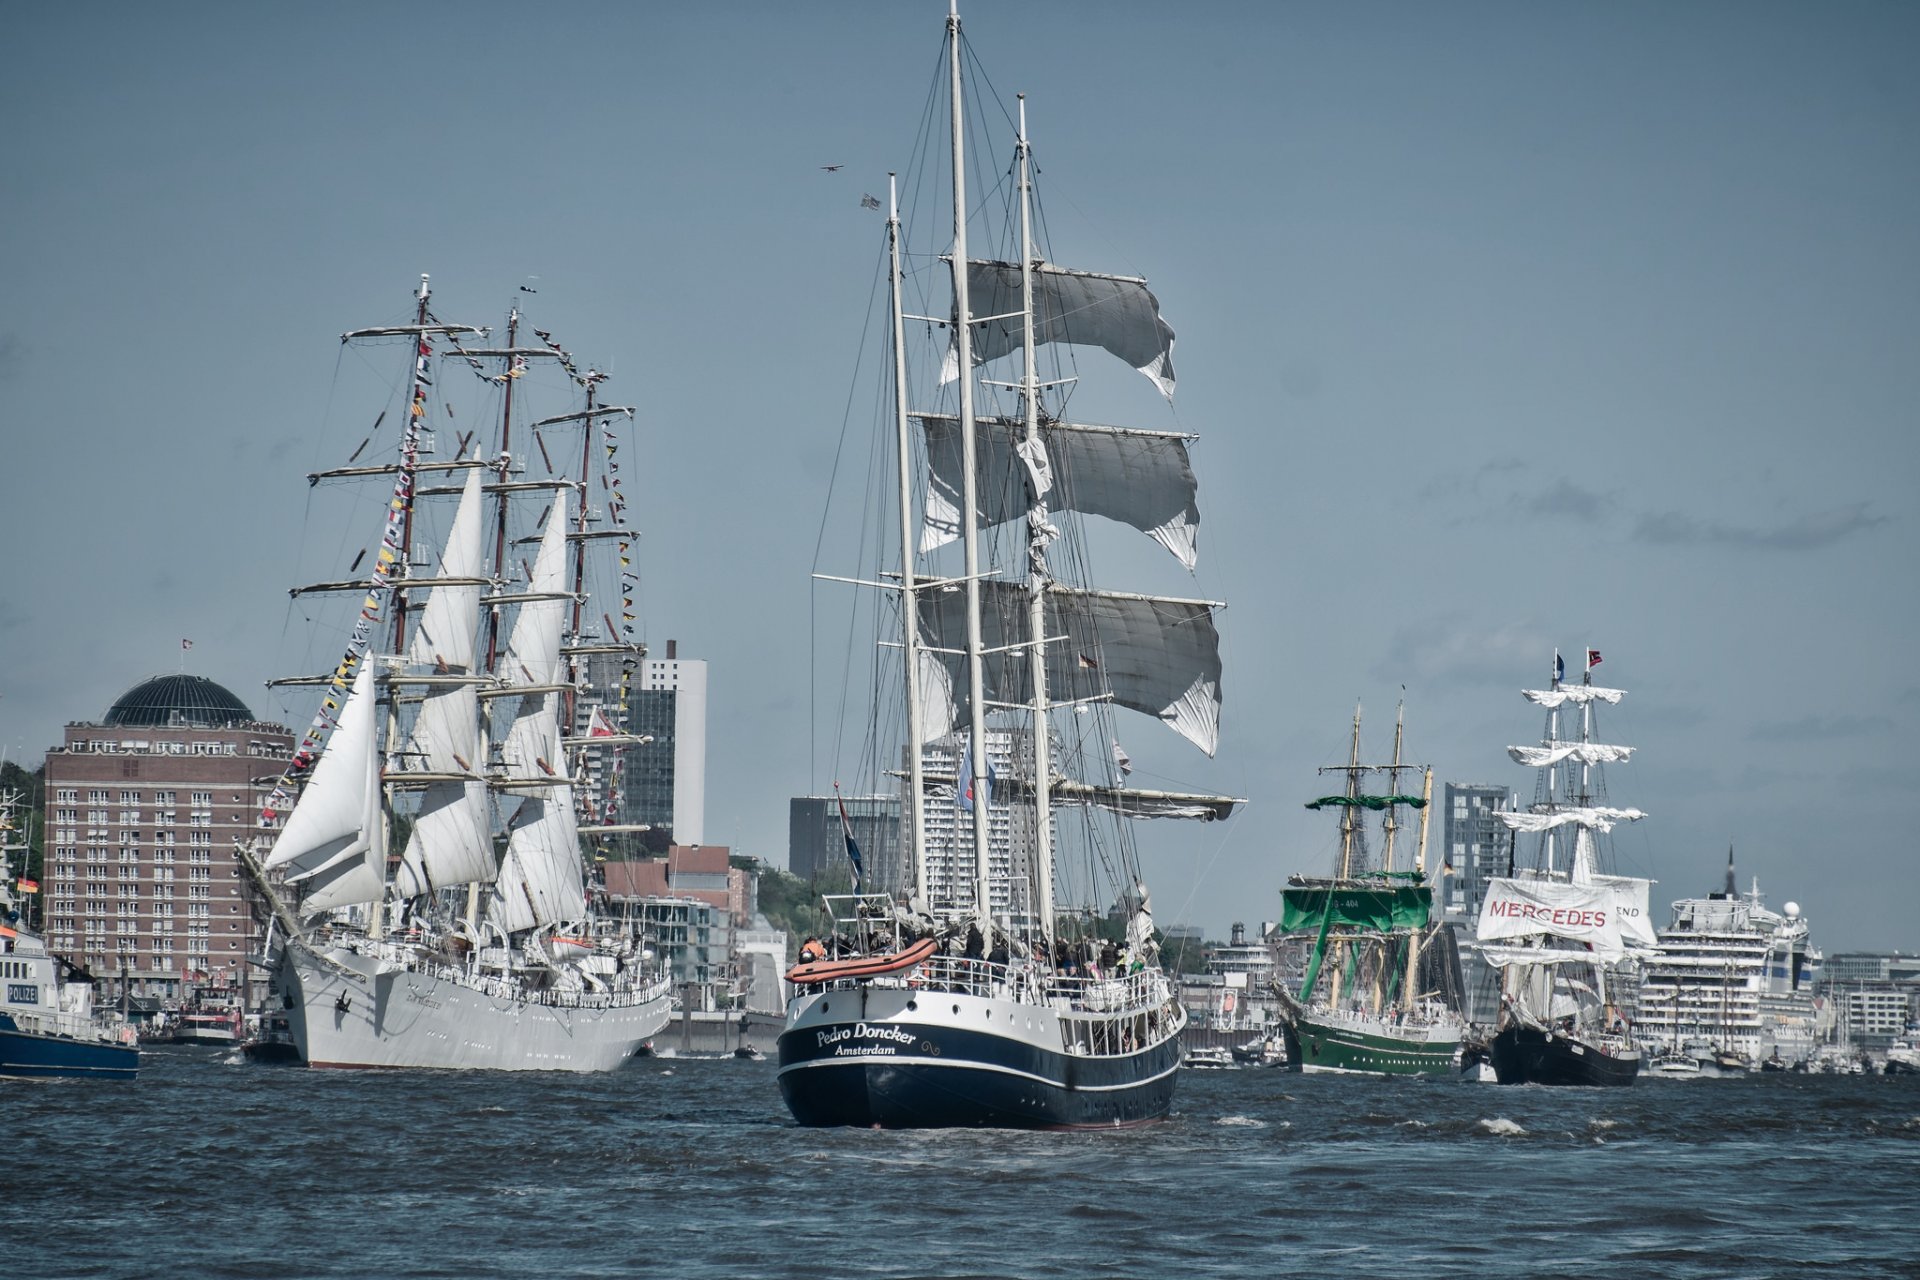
[451, 843]
[1118, 313]
[1583, 752]
[540, 879]
[334, 847]
[1154, 655]
[1577, 694]
[1384, 908]
[1595, 817]
[1580, 913]
[1139, 478]
[445, 635]
[1630, 907]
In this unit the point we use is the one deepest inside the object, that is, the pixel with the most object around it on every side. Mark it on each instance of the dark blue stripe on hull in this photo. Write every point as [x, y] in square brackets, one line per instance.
[1525, 1055]
[942, 1077]
[22, 1054]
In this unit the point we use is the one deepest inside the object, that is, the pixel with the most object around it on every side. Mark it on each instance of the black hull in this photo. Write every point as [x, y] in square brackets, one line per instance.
[1526, 1055]
[906, 1076]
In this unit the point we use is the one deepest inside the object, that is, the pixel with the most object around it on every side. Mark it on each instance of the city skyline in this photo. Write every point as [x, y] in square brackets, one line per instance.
[1503, 330]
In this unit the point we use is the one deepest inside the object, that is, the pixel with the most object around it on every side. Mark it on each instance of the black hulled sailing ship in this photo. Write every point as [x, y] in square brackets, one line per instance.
[1557, 928]
[965, 996]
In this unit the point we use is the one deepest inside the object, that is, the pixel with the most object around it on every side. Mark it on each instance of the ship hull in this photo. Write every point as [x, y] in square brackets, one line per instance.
[349, 1010]
[1527, 1055]
[31, 1055]
[1315, 1045]
[878, 1057]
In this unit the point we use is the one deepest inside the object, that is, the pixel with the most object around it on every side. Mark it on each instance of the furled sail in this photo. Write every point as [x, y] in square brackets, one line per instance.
[1118, 313]
[1581, 913]
[1596, 817]
[1584, 752]
[1577, 694]
[334, 847]
[1153, 654]
[1139, 478]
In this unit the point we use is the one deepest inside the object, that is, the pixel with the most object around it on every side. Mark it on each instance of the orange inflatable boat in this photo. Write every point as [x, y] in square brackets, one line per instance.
[861, 966]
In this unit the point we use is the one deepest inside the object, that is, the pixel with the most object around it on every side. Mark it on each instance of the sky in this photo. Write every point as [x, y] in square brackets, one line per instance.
[1505, 327]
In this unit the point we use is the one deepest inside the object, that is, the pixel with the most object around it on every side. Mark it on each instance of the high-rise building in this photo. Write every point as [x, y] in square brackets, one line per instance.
[816, 845]
[662, 783]
[1477, 845]
[1010, 830]
[143, 809]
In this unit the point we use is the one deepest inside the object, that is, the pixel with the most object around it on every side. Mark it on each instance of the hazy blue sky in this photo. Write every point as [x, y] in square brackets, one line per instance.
[1505, 326]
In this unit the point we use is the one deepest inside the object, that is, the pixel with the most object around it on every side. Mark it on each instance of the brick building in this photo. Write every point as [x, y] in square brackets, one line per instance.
[143, 809]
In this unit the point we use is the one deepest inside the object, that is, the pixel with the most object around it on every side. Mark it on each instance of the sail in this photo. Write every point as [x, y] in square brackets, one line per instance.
[532, 747]
[1583, 752]
[1630, 906]
[1118, 313]
[1595, 817]
[1581, 913]
[445, 636]
[540, 878]
[333, 848]
[1383, 909]
[1577, 694]
[1155, 655]
[1375, 803]
[451, 842]
[1138, 478]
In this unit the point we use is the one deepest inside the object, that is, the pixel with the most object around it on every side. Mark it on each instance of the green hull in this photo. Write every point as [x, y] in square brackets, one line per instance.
[1317, 1044]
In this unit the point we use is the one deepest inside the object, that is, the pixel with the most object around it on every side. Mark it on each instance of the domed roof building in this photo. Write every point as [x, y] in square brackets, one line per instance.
[177, 701]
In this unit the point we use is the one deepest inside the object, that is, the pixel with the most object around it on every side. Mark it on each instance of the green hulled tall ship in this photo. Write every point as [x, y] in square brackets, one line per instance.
[1361, 1007]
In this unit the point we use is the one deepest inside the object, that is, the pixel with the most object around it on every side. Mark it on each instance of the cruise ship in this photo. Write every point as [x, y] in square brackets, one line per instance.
[1732, 986]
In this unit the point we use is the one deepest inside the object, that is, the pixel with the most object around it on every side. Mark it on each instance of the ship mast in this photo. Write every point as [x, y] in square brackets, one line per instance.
[1036, 553]
[969, 452]
[909, 585]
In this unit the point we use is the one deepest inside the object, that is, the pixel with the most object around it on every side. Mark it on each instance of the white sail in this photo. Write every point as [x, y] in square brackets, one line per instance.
[451, 843]
[540, 878]
[1630, 908]
[333, 849]
[1153, 654]
[1577, 694]
[1584, 752]
[1139, 478]
[445, 635]
[1597, 818]
[1581, 913]
[1118, 313]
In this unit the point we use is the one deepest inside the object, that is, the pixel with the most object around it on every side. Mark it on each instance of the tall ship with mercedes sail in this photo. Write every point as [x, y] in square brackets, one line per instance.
[1559, 925]
[425, 853]
[1005, 970]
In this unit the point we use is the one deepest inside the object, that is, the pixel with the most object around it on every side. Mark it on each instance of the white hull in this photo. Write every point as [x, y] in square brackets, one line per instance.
[344, 1011]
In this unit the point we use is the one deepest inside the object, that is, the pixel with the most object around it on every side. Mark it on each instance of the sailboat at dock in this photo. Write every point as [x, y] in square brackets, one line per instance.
[1554, 929]
[423, 853]
[1370, 925]
[975, 990]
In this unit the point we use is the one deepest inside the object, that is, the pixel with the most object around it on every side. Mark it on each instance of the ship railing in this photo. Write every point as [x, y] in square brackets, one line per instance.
[505, 989]
[68, 1026]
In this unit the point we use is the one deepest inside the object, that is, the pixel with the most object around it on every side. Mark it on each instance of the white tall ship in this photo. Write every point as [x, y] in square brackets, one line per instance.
[1008, 996]
[1732, 985]
[439, 741]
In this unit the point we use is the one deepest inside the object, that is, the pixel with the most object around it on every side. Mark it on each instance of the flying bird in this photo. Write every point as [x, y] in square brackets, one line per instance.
[833, 168]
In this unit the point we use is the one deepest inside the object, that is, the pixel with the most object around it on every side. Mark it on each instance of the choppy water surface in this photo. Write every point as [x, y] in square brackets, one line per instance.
[209, 1166]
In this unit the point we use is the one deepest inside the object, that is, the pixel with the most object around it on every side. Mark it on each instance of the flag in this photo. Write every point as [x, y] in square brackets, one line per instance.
[869, 202]
[965, 796]
[846, 833]
[597, 725]
[1121, 760]
[185, 645]
[28, 886]
[1089, 663]
[1593, 659]
[1559, 666]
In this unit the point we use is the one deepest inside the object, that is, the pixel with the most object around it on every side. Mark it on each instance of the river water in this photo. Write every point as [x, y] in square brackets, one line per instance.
[211, 1166]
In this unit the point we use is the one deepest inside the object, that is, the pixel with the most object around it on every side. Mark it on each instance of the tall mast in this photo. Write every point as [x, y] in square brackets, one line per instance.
[969, 450]
[409, 456]
[1553, 771]
[1353, 790]
[580, 548]
[1036, 554]
[1393, 784]
[909, 585]
[500, 506]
